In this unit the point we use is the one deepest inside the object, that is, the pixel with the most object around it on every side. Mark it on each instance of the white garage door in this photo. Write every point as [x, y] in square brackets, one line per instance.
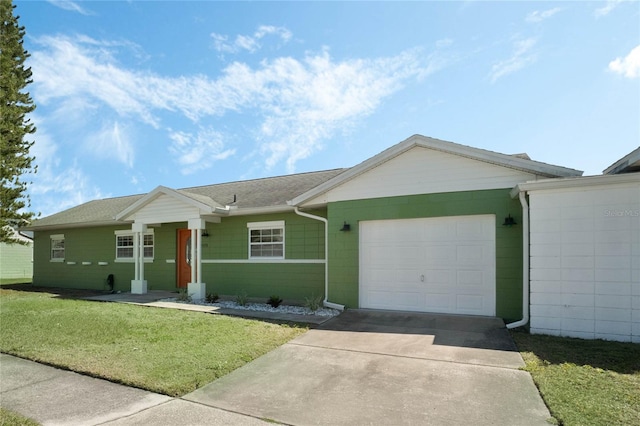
[444, 264]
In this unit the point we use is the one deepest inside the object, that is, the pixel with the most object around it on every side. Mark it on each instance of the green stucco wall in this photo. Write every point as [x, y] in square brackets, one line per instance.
[343, 246]
[228, 240]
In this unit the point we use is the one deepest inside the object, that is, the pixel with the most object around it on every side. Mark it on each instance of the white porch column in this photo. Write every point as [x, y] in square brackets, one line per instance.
[196, 288]
[138, 284]
[194, 263]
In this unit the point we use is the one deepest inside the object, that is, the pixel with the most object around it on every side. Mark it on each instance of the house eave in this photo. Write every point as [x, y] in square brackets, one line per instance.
[575, 182]
[250, 211]
[37, 228]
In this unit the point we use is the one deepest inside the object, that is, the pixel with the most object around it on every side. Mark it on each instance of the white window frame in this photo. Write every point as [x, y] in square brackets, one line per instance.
[56, 238]
[129, 233]
[263, 226]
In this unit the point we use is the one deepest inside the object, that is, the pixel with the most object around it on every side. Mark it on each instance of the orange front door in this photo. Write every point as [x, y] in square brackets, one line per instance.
[184, 257]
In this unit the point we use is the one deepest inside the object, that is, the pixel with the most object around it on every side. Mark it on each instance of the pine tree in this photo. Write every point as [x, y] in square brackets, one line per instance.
[15, 104]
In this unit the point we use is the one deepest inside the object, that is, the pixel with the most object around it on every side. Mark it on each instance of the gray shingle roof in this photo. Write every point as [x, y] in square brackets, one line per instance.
[249, 194]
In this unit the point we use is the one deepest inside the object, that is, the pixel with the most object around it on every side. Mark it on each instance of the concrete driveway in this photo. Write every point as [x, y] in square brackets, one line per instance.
[372, 367]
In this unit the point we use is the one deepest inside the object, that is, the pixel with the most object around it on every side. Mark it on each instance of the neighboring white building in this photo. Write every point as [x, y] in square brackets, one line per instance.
[16, 260]
[585, 254]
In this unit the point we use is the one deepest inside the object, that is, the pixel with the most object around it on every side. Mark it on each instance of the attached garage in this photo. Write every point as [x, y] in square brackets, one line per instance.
[428, 226]
[442, 264]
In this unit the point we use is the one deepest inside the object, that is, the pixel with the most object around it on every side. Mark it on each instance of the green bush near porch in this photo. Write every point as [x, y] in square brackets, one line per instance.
[167, 351]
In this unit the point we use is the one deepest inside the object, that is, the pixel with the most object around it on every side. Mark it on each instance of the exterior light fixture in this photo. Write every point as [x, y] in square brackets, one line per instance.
[509, 221]
[205, 233]
[346, 227]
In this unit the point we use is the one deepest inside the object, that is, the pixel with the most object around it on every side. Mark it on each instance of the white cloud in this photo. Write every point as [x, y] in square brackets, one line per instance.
[249, 43]
[607, 8]
[112, 141]
[629, 66]
[520, 58]
[298, 103]
[70, 6]
[67, 68]
[539, 16]
[53, 189]
[199, 151]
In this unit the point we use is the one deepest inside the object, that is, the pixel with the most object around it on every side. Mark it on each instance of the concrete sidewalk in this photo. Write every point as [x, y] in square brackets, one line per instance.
[52, 396]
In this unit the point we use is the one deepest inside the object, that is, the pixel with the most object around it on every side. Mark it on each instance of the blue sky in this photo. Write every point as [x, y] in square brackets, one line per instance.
[132, 95]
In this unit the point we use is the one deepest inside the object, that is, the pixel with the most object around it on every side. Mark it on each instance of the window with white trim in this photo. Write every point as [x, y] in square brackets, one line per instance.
[266, 240]
[125, 244]
[57, 248]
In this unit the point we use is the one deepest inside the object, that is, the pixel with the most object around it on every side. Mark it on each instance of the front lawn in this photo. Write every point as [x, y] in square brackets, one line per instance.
[167, 351]
[11, 418]
[584, 382]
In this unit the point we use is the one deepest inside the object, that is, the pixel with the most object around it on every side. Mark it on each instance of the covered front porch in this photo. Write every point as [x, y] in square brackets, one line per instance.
[162, 206]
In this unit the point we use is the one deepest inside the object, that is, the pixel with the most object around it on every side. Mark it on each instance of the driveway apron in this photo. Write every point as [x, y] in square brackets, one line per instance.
[375, 367]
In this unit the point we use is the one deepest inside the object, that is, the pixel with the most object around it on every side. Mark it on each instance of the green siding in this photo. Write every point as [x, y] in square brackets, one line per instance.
[291, 281]
[343, 246]
[228, 240]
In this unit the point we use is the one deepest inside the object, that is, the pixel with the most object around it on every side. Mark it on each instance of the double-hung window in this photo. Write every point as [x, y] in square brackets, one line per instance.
[125, 245]
[57, 248]
[266, 240]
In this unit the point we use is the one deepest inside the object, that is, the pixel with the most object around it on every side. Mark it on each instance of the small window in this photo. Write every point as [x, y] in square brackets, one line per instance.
[57, 248]
[266, 240]
[124, 245]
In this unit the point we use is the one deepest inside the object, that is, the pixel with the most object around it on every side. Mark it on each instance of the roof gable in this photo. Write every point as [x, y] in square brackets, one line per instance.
[166, 205]
[511, 166]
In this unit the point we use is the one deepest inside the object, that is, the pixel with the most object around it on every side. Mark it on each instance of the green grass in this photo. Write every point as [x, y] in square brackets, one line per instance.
[10, 281]
[163, 350]
[10, 418]
[584, 382]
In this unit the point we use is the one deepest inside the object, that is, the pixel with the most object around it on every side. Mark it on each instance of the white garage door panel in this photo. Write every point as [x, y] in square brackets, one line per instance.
[444, 264]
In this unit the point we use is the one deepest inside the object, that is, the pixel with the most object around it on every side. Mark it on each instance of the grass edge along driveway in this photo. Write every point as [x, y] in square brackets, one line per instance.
[166, 351]
[584, 382]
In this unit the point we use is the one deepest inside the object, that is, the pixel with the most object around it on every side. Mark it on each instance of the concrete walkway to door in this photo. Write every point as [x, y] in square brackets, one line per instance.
[372, 367]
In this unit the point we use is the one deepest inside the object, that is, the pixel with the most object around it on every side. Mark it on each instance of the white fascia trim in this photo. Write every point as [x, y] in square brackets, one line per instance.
[576, 182]
[264, 260]
[37, 228]
[491, 157]
[130, 232]
[260, 210]
[266, 225]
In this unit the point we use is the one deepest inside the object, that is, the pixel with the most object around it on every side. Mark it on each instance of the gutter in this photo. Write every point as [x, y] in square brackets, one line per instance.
[325, 302]
[525, 263]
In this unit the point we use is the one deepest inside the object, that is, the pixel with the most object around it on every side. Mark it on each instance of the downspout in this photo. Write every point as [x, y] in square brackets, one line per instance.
[525, 264]
[325, 302]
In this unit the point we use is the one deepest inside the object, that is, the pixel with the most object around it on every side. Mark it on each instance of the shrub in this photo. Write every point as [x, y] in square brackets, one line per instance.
[274, 301]
[242, 299]
[183, 295]
[313, 303]
[212, 297]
